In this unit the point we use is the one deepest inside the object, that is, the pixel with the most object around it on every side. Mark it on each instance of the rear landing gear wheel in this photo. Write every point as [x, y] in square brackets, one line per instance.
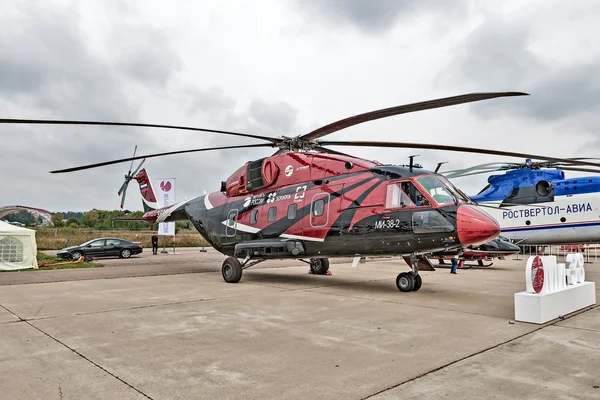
[405, 282]
[319, 266]
[418, 283]
[231, 270]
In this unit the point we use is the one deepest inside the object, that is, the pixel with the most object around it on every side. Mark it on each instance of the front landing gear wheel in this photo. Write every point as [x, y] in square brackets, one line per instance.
[418, 283]
[319, 266]
[405, 282]
[232, 270]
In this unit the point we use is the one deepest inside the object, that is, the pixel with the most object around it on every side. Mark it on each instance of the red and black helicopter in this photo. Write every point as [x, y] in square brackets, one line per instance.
[309, 202]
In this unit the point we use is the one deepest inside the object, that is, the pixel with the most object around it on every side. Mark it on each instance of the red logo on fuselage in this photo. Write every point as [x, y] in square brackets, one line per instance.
[165, 186]
[537, 274]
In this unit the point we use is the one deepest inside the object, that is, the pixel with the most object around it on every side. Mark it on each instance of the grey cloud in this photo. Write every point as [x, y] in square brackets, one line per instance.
[497, 56]
[207, 100]
[279, 117]
[50, 67]
[48, 70]
[145, 54]
[53, 72]
[376, 16]
[494, 54]
[260, 117]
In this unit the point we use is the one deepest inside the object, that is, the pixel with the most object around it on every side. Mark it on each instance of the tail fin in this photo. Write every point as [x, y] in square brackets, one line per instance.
[148, 197]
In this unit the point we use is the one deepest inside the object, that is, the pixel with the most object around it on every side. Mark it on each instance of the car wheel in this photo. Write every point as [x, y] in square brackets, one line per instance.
[125, 253]
[76, 255]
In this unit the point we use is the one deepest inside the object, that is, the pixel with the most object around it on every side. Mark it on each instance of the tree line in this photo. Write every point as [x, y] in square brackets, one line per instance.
[93, 219]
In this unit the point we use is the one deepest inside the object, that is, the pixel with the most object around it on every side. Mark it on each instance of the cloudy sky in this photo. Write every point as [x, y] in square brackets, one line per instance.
[282, 68]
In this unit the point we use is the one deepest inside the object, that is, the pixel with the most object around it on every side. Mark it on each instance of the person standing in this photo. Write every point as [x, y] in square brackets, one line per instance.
[154, 244]
[454, 264]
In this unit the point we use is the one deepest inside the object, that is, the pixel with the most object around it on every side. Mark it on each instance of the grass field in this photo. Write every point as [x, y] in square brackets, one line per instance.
[49, 238]
[47, 259]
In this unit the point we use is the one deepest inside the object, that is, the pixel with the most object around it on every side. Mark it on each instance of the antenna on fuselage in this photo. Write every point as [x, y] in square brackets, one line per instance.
[411, 161]
[439, 165]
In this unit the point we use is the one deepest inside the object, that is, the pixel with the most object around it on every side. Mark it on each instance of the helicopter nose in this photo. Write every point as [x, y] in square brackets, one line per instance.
[503, 245]
[475, 226]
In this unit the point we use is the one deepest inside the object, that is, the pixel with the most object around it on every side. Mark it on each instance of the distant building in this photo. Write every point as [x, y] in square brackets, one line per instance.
[36, 212]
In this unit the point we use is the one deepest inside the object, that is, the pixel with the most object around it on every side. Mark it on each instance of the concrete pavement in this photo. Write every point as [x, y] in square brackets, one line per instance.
[177, 331]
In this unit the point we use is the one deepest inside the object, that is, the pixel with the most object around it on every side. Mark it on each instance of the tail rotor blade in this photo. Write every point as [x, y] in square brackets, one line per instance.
[123, 197]
[131, 166]
[137, 169]
[123, 187]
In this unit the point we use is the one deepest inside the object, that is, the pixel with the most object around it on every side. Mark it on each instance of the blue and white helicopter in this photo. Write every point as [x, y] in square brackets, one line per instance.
[535, 204]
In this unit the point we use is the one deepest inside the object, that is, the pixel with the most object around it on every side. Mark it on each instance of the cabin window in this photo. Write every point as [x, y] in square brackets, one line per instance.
[319, 207]
[292, 211]
[272, 214]
[404, 194]
[254, 217]
[430, 222]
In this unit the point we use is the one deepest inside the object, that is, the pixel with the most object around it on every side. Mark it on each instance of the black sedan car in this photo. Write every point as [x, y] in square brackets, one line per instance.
[103, 247]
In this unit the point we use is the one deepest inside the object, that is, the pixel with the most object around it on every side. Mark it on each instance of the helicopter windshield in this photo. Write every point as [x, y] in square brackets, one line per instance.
[462, 196]
[442, 191]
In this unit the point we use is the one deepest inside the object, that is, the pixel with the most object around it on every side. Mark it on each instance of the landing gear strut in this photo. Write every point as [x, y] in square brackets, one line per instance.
[410, 281]
[232, 268]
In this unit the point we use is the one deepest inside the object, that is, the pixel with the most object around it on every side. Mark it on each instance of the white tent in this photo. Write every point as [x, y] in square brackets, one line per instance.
[18, 248]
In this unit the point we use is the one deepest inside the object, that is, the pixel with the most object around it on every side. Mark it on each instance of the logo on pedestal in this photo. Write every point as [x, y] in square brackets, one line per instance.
[537, 274]
[165, 186]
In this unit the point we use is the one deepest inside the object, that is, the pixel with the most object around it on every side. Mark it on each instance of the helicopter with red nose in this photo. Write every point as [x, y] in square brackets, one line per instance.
[309, 202]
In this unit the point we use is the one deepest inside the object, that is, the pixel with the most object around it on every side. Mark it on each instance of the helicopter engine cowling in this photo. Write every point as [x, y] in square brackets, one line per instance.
[254, 175]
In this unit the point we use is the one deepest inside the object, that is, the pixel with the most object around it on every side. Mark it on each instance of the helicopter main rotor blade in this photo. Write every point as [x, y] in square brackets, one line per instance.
[189, 128]
[492, 165]
[455, 175]
[365, 143]
[597, 171]
[489, 167]
[101, 164]
[403, 109]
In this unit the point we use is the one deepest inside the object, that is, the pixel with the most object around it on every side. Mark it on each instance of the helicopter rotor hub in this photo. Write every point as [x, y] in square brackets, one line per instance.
[297, 144]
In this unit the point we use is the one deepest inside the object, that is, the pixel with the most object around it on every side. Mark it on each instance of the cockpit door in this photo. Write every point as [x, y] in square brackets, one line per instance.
[319, 210]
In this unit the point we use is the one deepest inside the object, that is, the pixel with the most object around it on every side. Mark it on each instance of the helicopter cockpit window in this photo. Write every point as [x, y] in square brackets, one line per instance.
[430, 222]
[456, 192]
[441, 193]
[404, 194]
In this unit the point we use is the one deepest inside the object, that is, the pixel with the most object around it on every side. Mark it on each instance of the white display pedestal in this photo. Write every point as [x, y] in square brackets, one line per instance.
[543, 307]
